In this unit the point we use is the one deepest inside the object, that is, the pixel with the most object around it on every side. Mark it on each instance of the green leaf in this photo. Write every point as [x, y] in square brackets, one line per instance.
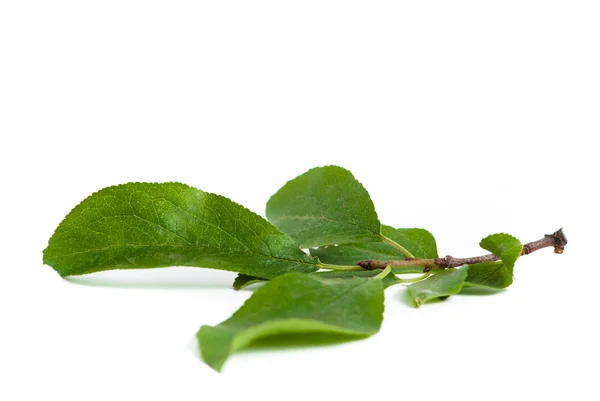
[443, 284]
[143, 225]
[496, 274]
[350, 254]
[387, 281]
[243, 280]
[505, 246]
[324, 206]
[418, 241]
[296, 303]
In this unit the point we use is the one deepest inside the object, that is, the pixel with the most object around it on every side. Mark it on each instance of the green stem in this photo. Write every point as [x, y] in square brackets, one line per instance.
[383, 273]
[340, 267]
[397, 246]
[414, 280]
[406, 269]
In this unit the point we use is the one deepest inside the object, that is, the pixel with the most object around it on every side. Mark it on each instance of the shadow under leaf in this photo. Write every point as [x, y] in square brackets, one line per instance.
[299, 340]
[167, 278]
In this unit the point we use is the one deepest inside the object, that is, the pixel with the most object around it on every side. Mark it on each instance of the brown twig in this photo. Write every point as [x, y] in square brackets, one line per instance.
[556, 240]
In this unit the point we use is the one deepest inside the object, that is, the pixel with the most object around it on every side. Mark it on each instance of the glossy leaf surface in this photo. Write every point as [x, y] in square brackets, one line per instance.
[324, 206]
[143, 225]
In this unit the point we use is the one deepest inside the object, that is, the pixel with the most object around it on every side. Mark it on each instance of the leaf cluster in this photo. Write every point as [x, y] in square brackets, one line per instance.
[321, 290]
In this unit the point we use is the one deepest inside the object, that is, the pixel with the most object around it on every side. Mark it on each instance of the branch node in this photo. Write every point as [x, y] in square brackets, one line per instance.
[371, 264]
[445, 262]
[557, 240]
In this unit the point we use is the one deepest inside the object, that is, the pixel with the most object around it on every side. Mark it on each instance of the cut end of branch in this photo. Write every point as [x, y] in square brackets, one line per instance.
[445, 262]
[371, 264]
[557, 240]
[560, 240]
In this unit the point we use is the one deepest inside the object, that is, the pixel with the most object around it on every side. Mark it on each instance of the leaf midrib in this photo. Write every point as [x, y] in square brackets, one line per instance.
[205, 222]
[105, 248]
[134, 214]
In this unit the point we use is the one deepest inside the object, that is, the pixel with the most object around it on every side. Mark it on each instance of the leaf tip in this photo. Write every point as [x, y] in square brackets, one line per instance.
[215, 346]
[46, 260]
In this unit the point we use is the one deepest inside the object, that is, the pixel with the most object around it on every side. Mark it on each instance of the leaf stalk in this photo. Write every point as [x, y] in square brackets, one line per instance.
[396, 245]
[384, 272]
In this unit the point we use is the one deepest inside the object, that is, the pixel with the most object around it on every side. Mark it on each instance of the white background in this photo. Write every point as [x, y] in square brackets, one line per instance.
[462, 117]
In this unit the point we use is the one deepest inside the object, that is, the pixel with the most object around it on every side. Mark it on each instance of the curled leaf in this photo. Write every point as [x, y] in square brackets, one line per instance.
[443, 284]
[296, 303]
[496, 274]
